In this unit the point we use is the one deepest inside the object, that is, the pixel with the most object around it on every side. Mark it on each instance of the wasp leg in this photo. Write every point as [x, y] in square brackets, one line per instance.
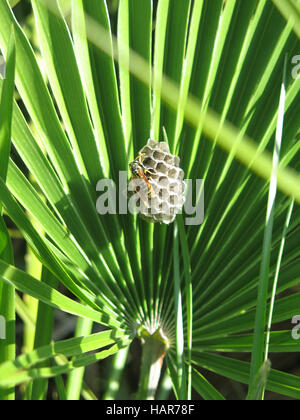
[151, 192]
[149, 171]
[138, 158]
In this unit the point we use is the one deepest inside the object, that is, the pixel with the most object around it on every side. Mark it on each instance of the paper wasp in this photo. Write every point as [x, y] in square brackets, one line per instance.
[138, 171]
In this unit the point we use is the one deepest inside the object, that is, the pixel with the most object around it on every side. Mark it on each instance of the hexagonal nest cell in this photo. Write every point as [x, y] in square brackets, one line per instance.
[162, 197]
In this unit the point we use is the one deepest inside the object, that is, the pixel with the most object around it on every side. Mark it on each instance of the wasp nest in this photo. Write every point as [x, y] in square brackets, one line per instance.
[160, 183]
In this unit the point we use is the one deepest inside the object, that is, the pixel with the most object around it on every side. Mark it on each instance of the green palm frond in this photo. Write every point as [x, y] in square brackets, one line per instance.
[206, 76]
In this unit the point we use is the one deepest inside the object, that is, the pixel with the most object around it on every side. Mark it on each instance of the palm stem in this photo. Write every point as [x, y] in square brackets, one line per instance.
[153, 353]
